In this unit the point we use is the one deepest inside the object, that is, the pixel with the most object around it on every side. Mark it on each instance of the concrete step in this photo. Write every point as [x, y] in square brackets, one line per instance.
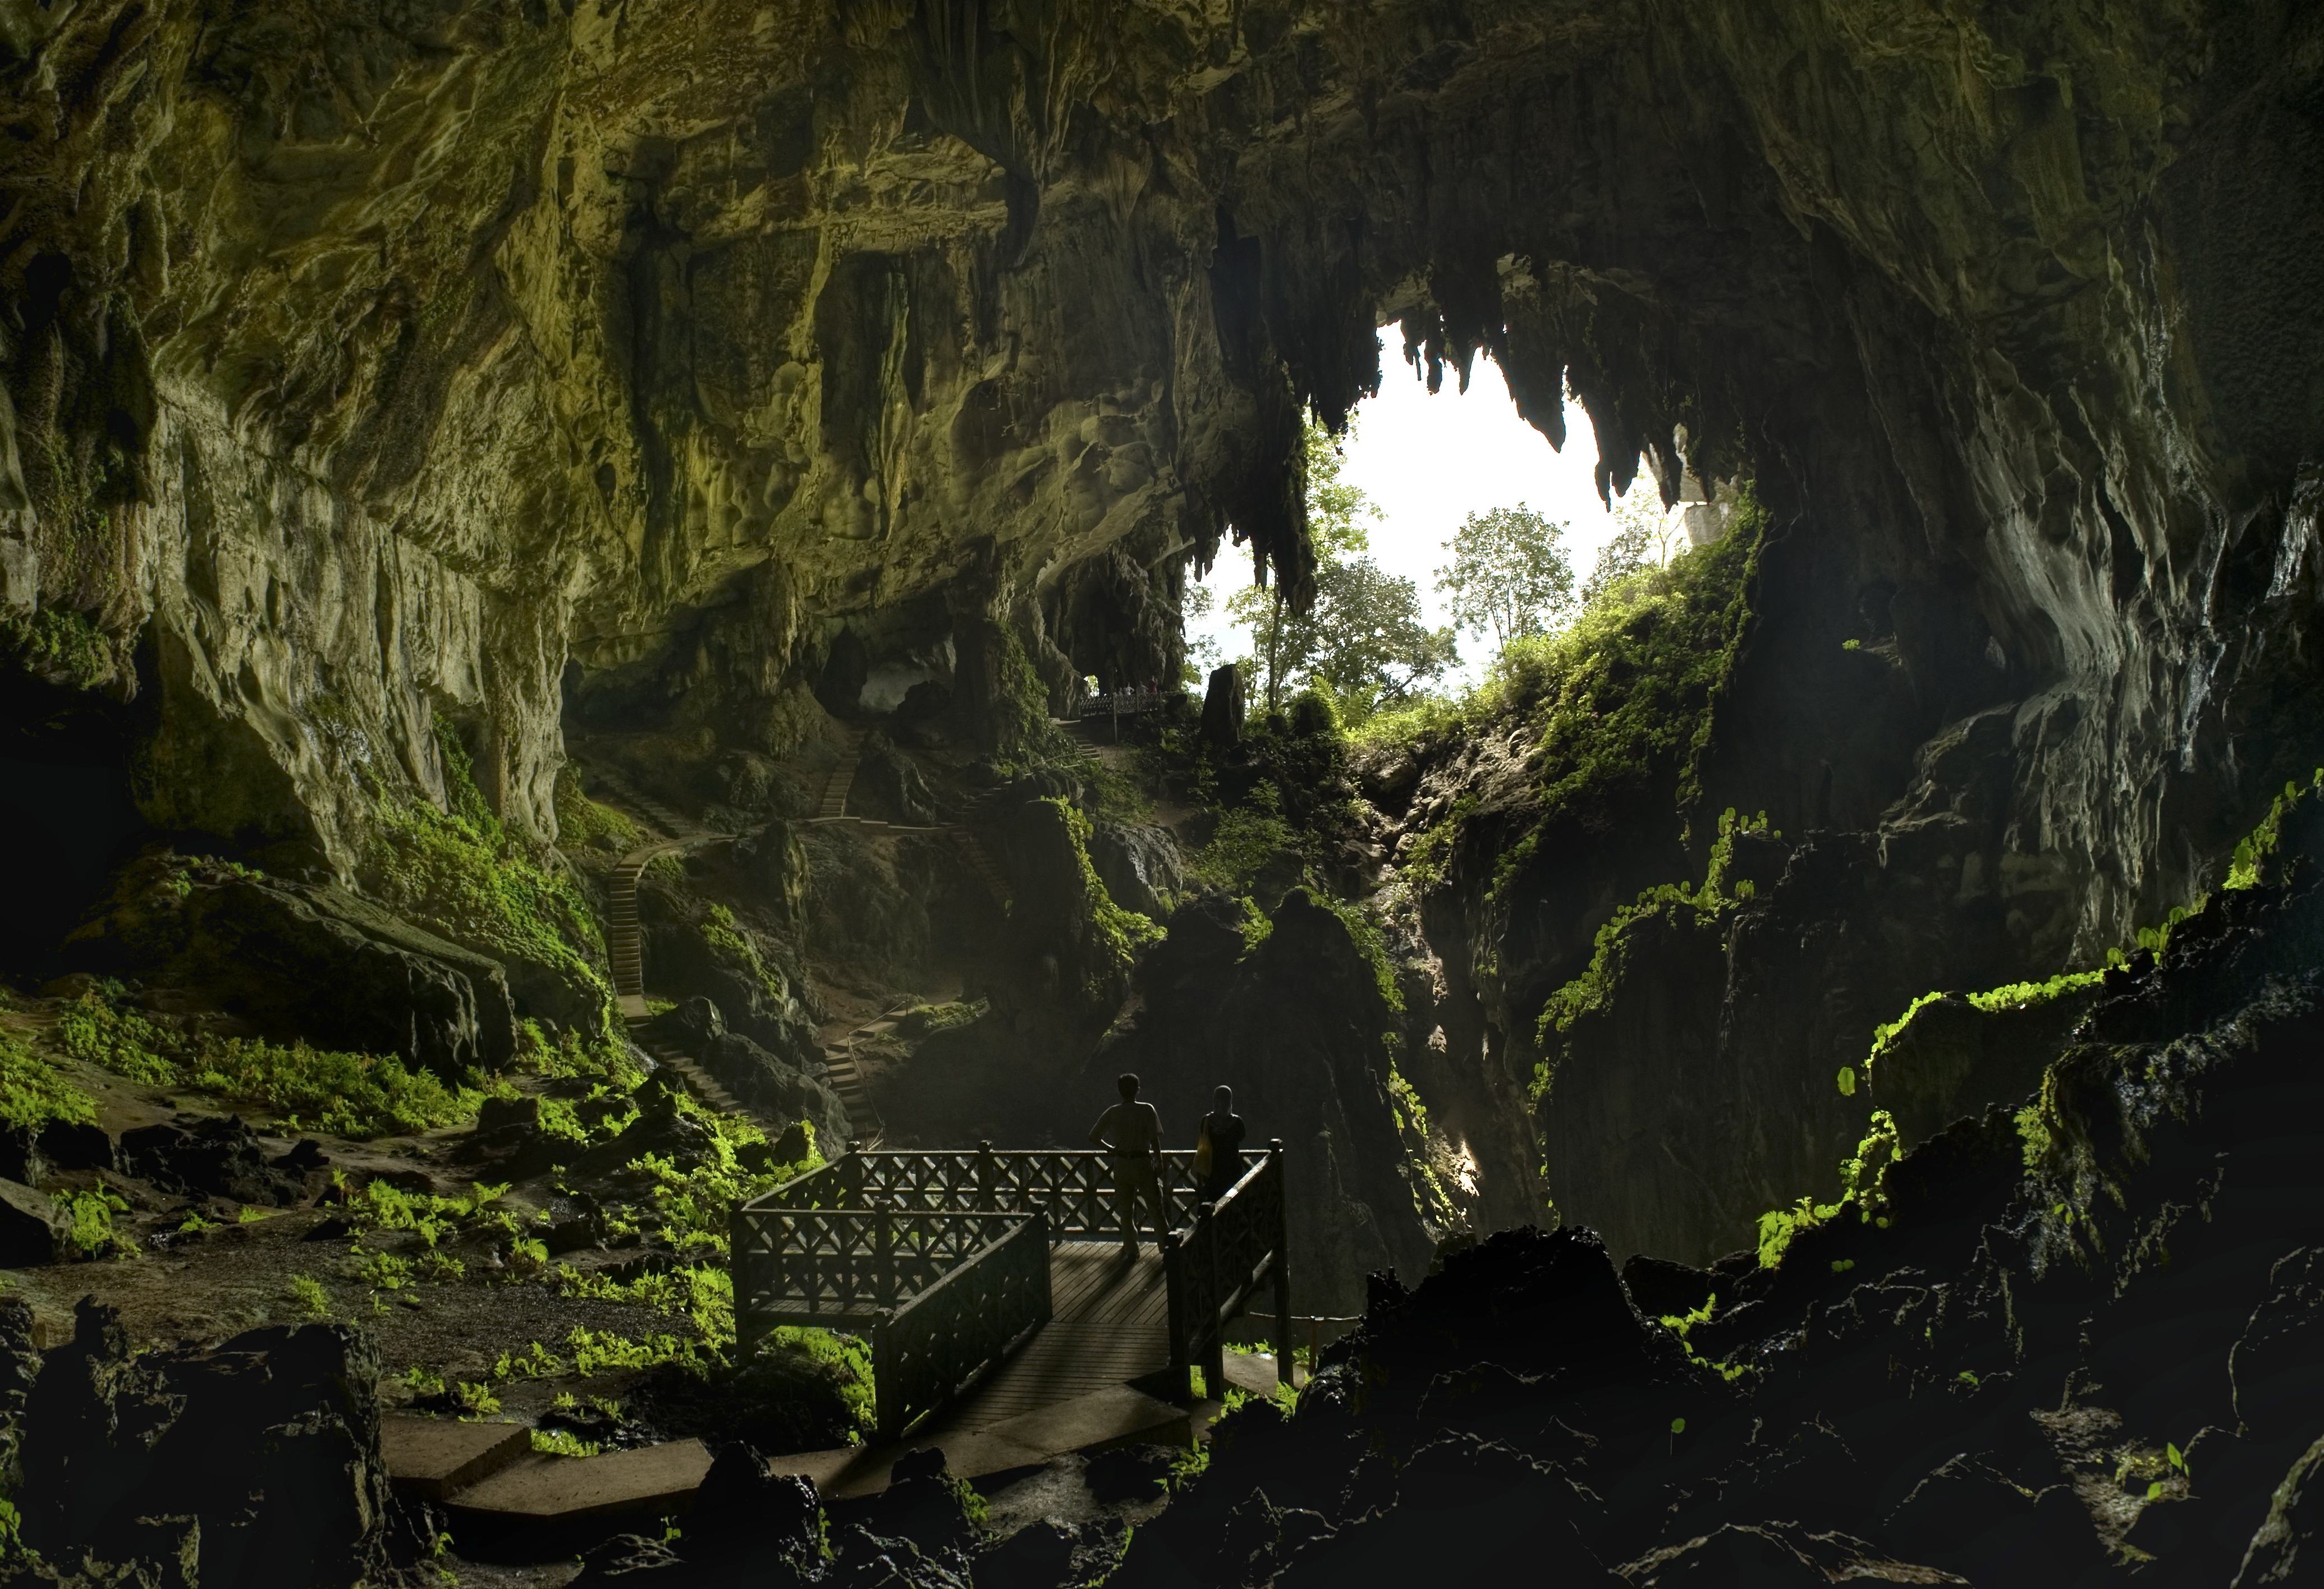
[1118, 1415]
[428, 1458]
[542, 1490]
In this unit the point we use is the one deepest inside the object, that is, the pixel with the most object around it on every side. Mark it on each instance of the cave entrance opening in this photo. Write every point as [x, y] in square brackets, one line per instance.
[1387, 503]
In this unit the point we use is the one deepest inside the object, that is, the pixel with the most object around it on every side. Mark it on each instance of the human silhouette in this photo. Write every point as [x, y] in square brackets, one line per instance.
[1132, 1133]
[1222, 1130]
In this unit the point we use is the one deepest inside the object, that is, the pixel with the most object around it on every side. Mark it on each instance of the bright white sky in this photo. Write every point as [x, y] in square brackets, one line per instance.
[1427, 463]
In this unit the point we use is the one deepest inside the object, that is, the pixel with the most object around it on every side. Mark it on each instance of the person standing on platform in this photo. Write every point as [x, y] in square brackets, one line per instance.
[1218, 1152]
[1132, 1133]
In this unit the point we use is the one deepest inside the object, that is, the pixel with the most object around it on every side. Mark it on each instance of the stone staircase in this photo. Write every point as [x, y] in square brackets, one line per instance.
[625, 940]
[834, 804]
[698, 1081]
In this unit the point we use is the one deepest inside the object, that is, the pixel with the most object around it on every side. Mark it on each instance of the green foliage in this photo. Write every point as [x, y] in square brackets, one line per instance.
[93, 1234]
[2026, 996]
[1365, 640]
[1621, 700]
[1625, 696]
[2011, 995]
[584, 824]
[308, 1297]
[1509, 576]
[730, 941]
[1246, 839]
[463, 874]
[61, 644]
[1366, 932]
[563, 1443]
[350, 1095]
[1687, 909]
[605, 1057]
[2254, 861]
[33, 1091]
[1863, 1176]
[1644, 536]
[1123, 931]
[1885, 1036]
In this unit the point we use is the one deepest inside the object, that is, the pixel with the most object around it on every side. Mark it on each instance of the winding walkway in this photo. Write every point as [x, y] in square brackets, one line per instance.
[625, 936]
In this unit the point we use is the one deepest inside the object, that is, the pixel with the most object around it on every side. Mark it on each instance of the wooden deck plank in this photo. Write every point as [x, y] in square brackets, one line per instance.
[1109, 1324]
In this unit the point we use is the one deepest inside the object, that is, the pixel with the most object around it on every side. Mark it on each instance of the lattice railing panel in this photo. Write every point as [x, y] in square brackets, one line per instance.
[1218, 1261]
[953, 1332]
[846, 1267]
[1075, 1188]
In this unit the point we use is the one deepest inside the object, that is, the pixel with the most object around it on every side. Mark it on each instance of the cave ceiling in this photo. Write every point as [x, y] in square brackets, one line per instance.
[365, 364]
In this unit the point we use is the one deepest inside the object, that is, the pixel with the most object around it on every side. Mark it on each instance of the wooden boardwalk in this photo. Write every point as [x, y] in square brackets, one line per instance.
[1109, 1324]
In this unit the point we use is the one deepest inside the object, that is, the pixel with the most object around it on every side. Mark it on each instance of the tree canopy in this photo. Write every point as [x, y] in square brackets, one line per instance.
[1509, 576]
[1366, 639]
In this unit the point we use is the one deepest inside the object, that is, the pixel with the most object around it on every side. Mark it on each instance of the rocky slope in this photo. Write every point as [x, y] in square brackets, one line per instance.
[2073, 1348]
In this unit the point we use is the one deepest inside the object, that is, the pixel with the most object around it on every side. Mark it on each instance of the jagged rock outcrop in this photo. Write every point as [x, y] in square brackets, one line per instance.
[682, 343]
[254, 1462]
[2075, 1351]
[1299, 1027]
[299, 960]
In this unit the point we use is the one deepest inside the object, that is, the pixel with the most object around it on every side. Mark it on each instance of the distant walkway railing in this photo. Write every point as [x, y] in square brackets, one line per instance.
[1123, 702]
[941, 1258]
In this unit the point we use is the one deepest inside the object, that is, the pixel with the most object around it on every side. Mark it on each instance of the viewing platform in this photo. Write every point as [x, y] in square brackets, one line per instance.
[991, 1284]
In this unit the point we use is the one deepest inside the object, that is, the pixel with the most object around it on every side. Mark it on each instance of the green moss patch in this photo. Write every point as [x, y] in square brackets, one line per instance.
[34, 1091]
[463, 874]
[61, 646]
[355, 1095]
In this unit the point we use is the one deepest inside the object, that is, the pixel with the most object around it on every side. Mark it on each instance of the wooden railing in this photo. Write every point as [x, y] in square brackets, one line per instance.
[1216, 1265]
[951, 1335]
[942, 1258]
[1075, 1188]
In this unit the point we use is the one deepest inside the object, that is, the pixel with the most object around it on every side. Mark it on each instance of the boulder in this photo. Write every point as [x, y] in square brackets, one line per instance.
[307, 962]
[1139, 865]
[249, 1465]
[1222, 707]
[889, 788]
[33, 1231]
[213, 1156]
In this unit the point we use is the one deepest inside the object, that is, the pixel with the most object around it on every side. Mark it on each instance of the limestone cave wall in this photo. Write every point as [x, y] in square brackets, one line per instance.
[404, 365]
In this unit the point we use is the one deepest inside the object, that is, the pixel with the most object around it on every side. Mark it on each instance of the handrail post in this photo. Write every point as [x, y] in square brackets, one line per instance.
[986, 1197]
[883, 1253]
[1214, 1335]
[738, 1249]
[1174, 1287]
[1284, 1351]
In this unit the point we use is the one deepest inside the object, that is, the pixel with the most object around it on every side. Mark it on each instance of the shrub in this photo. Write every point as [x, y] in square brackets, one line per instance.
[33, 1091]
[1246, 839]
